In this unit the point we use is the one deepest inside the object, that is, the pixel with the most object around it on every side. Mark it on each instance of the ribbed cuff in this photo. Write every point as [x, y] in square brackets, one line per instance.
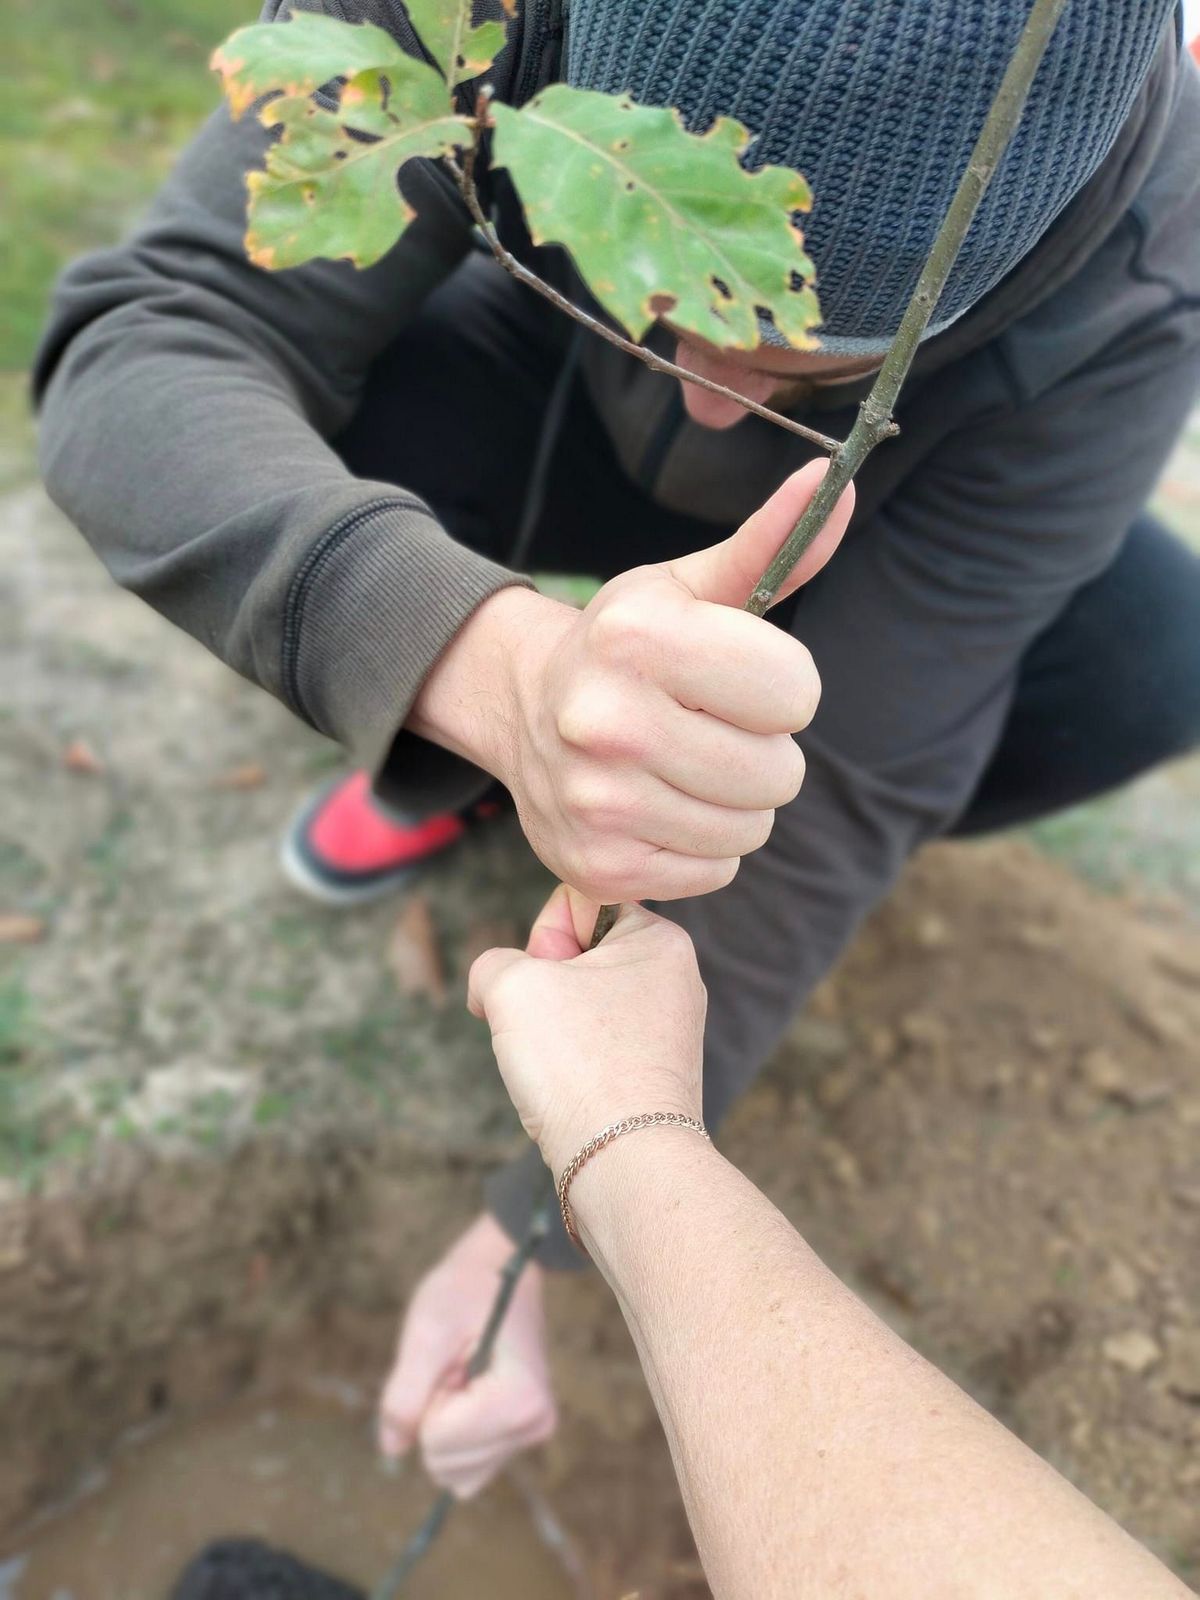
[377, 600]
[512, 1192]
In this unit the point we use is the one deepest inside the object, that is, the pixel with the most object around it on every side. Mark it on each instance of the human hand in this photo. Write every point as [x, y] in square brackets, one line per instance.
[467, 1431]
[647, 740]
[586, 1037]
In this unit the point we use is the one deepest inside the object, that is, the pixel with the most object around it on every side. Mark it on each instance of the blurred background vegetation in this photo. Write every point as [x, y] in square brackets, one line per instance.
[103, 94]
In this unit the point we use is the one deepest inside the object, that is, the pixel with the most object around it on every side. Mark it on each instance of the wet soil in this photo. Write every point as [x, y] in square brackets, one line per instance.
[298, 1474]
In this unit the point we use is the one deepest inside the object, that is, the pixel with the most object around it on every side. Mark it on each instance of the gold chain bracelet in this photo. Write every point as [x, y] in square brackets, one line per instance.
[648, 1119]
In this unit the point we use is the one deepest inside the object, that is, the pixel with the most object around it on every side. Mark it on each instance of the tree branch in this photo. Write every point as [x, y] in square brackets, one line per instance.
[875, 413]
[465, 180]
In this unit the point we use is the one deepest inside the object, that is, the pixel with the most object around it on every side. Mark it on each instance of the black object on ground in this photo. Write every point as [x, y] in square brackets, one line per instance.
[245, 1569]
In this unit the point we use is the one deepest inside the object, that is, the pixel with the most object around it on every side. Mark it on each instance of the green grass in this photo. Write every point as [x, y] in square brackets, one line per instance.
[101, 94]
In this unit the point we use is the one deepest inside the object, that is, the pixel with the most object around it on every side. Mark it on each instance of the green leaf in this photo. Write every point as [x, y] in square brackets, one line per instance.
[297, 57]
[662, 222]
[325, 193]
[444, 28]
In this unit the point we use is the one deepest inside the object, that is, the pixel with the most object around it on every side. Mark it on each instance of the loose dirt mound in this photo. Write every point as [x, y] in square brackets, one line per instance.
[990, 1121]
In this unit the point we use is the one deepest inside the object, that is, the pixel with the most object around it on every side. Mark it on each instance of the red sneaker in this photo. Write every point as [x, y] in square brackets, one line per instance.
[345, 847]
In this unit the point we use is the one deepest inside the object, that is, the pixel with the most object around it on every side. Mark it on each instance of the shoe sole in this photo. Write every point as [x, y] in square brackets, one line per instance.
[301, 876]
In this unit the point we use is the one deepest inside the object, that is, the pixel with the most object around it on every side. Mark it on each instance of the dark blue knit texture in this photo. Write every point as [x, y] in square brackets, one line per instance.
[878, 103]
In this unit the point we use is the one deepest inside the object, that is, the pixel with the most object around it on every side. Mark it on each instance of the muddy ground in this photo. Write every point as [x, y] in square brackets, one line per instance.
[229, 1145]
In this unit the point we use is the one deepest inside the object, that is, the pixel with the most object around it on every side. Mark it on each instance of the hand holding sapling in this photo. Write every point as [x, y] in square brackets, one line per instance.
[646, 740]
[585, 1037]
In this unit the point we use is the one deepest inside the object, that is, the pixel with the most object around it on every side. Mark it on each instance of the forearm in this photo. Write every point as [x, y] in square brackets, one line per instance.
[187, 398]
[468, 703]
[817, 1454]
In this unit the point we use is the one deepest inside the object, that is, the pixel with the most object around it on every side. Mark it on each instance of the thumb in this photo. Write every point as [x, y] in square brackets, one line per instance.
[486, 971]
[423, 1365]
[564, 926]
[726, 573]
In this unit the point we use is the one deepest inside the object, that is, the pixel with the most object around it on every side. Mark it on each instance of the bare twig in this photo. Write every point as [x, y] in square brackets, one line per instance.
[648, 358]
[874, 422]
[539, 1225]
[875, 413]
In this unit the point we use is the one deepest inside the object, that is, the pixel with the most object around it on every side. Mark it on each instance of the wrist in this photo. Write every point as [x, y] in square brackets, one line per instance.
[471, 702]
[566, 1130]
[621, 1199]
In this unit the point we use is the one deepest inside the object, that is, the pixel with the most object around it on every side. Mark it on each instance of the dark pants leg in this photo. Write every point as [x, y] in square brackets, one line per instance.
[1111, 690]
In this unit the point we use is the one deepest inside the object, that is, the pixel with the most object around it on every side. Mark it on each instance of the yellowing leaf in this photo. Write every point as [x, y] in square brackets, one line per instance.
[298, 57]
[324, 192]
[662, 222]
[460, 50]
[329, 184]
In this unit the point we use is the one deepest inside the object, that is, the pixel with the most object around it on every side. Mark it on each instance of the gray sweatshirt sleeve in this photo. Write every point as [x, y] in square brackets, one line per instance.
[186, 398]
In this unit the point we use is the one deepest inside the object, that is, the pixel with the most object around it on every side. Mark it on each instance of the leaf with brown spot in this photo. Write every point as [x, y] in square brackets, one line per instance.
[329, 186]
[460, 49]
[658, 219]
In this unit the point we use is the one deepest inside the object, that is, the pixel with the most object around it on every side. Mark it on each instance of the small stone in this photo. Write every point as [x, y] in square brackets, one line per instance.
[923, 1031]
[1044, 1037]
[1107, 1077]
[1182, 1371]
[881, 1042]
[928, 1222]
[932, 932]
[1123, 1280]
[17, 928]
[842, 1164]
[1160, 1024]
[820, 1039]
[1134, 1350]
[1102, 1072]
[835, 1088]
[1039, 936]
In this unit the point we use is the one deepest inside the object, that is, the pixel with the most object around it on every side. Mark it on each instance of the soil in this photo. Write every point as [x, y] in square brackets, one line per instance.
[230, 1145]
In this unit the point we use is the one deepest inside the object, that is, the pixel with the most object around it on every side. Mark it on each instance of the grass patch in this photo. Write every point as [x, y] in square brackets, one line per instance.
[103, 93]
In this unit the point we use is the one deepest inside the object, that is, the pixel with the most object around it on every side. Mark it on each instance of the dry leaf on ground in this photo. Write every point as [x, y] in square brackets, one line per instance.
[414, 955]
[80, 757]
[251, 775]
